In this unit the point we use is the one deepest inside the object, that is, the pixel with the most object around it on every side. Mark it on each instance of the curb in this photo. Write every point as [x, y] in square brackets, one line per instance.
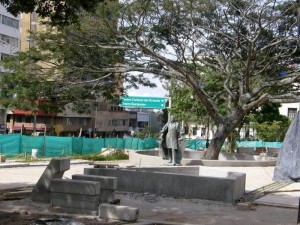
[44, 163]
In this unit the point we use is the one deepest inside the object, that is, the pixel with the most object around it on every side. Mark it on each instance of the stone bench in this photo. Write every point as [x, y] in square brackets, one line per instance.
[108, 185]
[75, 196]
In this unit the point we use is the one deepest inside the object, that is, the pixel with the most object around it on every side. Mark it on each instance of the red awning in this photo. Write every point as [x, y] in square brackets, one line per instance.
[39, 113]
[30, 128]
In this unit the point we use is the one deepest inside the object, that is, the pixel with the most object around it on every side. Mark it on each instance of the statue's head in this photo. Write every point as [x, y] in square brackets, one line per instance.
[172, 119]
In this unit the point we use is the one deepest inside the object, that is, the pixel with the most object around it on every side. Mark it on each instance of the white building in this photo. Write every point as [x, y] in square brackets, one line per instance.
[9, 33]
[289, 109]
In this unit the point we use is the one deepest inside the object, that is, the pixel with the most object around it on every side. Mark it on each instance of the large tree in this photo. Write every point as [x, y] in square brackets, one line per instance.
[246, 46]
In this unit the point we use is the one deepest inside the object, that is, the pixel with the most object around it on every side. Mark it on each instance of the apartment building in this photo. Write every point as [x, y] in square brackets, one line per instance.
[9, 33]
[9, 45]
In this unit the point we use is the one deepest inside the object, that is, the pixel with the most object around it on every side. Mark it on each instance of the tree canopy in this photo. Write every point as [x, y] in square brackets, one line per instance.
[66, 66]
[59, 12]
[234, 56]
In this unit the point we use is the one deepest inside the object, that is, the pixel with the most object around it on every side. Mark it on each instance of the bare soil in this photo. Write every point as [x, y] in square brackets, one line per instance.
[153, 209]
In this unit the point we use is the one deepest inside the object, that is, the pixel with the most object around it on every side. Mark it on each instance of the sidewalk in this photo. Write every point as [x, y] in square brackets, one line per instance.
[256, 177]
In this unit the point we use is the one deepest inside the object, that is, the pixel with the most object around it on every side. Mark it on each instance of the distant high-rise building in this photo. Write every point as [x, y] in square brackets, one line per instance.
[10, 37]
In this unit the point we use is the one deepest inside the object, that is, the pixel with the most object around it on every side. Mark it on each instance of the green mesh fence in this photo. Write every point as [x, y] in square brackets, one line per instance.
[92, 145]
[190, 144]
[58, 146]
[77, 144]
[150, 143]
[32, 142]
[135, 144]
[10, 145]
[128, 143]
[16, 145]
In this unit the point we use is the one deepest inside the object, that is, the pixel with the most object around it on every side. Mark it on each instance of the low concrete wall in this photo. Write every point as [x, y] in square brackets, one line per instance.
[192, 157]
[153, 157]
[273, 151]
[211, 184]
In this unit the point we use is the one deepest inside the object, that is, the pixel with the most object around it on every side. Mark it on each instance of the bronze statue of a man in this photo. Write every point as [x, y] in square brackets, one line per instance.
[170, 139]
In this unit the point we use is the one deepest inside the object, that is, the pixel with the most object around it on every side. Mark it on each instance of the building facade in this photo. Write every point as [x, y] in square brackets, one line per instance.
[9, 45]
[9, 33]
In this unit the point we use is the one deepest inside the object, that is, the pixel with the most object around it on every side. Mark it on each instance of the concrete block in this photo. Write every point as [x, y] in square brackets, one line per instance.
[245, 206]
[107, 195]
[272, 151]
[248, 150]
[108, 185]
[118, 212]
[228, 187]
[74, 201]
[54, 170]
[81, 187]
[106, 182]
[2, 158]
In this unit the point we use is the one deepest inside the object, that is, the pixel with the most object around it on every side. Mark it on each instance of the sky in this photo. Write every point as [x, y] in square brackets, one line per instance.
[159, 91]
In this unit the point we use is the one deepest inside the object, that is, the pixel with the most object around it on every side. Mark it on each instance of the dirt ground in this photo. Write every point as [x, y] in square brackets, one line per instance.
[8, 218]
[152, 210]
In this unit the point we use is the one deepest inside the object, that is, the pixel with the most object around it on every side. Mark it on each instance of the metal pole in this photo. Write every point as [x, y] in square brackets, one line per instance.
[96, 111]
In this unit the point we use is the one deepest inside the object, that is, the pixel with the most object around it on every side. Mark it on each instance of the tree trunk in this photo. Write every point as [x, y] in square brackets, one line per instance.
[224, 129]
[215, 146]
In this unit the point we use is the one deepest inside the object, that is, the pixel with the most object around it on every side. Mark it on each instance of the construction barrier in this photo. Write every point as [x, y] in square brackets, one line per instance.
[17, 145]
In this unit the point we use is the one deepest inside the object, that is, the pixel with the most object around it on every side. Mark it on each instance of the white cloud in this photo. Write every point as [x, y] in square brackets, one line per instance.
[158, 91]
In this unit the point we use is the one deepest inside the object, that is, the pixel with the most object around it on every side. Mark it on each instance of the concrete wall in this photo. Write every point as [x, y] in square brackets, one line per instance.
[192, 157]
[228, 188]
[153, 157]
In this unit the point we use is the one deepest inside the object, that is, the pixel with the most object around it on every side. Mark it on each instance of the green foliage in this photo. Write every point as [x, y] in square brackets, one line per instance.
[59, 12]
[269, 113]
[232, 141]
[185, 106]
[119, 155]
[164, 116]
[145, 133]
[270, 130]
[68, 65]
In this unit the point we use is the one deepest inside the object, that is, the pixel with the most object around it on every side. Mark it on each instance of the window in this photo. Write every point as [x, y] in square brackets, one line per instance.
[83, 121]
[114, 122]
[10, 21]
[122, 122]
[292, 113]
[43, 119]
[2, 56]
[116, 108]
[9, 40]
[71, 121]
[28, 119]
[19, 119]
